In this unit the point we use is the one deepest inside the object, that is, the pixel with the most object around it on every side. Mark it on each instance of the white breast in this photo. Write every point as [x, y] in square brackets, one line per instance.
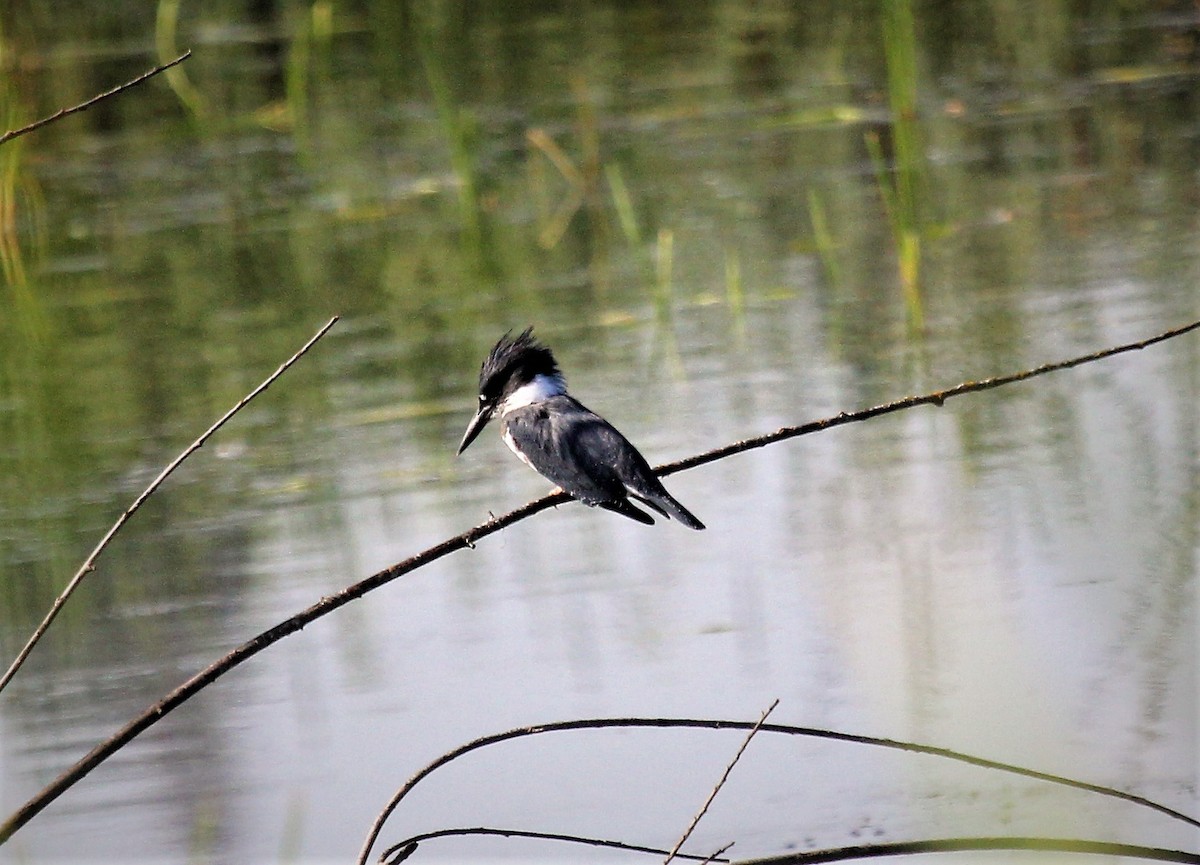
[512, 446]
[542, 387]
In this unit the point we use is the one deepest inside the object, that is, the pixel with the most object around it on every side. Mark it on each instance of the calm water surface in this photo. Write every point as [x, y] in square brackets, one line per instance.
[1012, 574]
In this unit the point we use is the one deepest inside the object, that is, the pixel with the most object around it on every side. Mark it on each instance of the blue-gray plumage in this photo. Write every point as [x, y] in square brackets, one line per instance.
[559, 437]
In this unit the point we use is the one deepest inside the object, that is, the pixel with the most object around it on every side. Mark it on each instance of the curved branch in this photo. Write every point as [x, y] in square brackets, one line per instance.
[401, 851]
[406, 848]
[467, 539]
[785, 729]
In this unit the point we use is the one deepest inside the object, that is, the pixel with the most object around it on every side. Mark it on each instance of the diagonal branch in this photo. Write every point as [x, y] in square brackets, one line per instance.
[935, 398]
[89, 563]
[468, 539]
[84, 106]
[720, 783]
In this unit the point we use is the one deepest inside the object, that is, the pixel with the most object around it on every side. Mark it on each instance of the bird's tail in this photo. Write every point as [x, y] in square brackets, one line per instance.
[666, 505]
[625, 508]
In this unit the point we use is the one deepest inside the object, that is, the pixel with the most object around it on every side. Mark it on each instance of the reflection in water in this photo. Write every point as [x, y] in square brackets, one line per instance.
[1010, 574]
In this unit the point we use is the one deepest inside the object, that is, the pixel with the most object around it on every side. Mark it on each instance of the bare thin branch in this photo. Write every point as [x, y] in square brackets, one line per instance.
[84, 106]
[716, 855]
[468, 539]
[720, 783]
[936, 398]
[784, 729]
[401, 851]
[89, 563]
[951, 845]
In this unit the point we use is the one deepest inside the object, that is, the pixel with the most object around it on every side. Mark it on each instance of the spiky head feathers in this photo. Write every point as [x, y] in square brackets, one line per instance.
[512, 362]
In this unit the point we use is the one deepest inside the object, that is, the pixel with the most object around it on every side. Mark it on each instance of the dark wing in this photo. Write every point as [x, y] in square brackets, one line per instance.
[572, 447]
[626, 464]
[587, 457]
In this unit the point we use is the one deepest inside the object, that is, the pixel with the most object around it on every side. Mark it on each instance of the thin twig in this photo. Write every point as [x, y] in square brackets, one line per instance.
[784, 729]
[952, 845]
[89, 564]
[401, 851]
[721, 783]
[716, 855]
[466, 540]
[84, 106]
[936, 398]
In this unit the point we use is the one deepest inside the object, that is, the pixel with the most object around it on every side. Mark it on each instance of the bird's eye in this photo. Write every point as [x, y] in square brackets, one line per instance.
[482, 399]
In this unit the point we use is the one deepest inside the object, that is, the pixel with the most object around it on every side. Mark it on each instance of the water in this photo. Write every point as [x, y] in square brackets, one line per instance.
[1012, 574]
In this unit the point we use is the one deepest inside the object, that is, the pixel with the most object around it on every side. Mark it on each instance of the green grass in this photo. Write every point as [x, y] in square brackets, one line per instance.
[902, 189]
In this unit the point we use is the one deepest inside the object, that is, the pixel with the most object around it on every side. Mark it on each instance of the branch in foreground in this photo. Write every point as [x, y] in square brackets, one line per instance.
[89, 563]
[408, 846]
[468, 539]
[714, 724]
[84, 106]
[839, 854]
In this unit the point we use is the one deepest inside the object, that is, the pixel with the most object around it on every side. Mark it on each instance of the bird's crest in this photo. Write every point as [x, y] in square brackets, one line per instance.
[518, 358]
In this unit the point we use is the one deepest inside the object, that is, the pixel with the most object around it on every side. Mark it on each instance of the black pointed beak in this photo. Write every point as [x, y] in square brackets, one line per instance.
[475, 427]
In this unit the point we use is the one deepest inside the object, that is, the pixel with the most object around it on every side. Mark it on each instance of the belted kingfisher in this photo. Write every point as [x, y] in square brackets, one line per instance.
[554, 434]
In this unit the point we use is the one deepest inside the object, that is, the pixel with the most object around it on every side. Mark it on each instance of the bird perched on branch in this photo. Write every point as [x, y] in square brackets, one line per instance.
[554, 434]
